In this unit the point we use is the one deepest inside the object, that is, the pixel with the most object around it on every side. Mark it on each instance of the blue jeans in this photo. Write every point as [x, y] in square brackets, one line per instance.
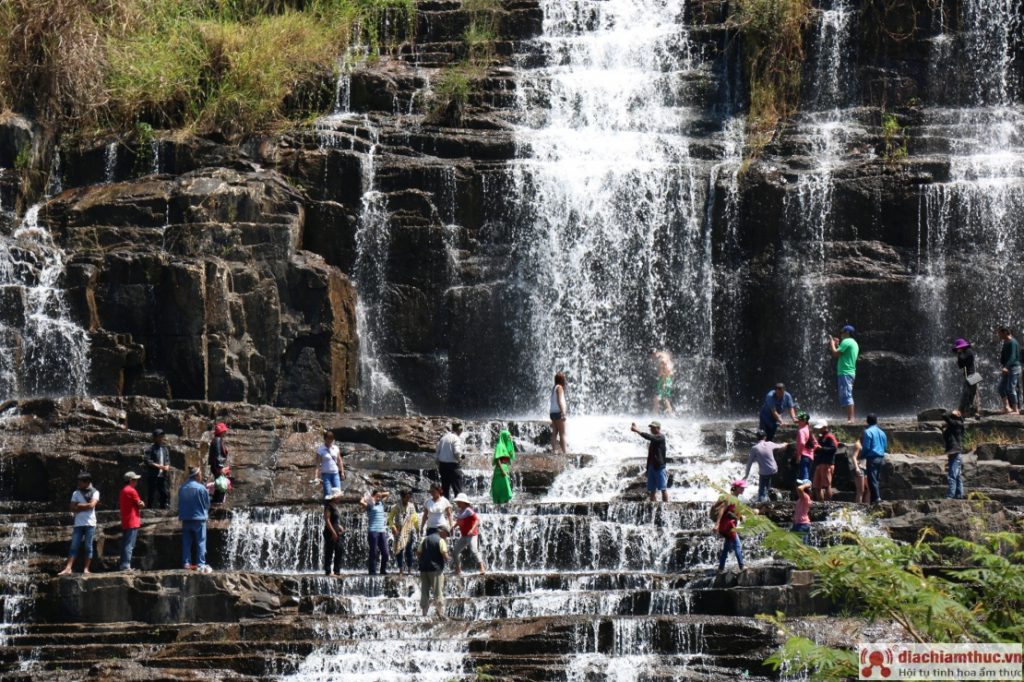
[875, 477]
[954, 475]
[330, 481]
[1008, 385]
[727, 546]
[844, 383]
[804, 473]
[128, 538]
[81, 537]
[193, 532]
[764, 484]
[769, 426]
[404, 559]
[378, 551]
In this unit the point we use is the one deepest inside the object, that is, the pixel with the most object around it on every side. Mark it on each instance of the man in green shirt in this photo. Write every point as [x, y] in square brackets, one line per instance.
[845, 350]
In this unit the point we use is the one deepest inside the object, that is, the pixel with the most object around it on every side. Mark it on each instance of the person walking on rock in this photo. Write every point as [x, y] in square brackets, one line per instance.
[377, 530]
[333, 530]
[194, 510]
[657, 457]
[824, 462]
[871, 448]
[501, 479]
[436, 512]
[802, 510]
[805, 444]
[403, 522]
[763, 453]
[845, 350]
[953, 435]
[969, 405]
[158, 466]
[330, 470]
[83, 506]
[449, 460]
[559, 414]
[469, 530]
[1009, 362]
[663, 385]
[131, 505]
[728, 518]
[433, 554]
[217, 458]
[776, 403]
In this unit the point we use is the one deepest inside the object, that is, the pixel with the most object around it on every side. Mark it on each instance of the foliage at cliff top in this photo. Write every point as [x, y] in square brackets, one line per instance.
[232, 66]
[953, 590]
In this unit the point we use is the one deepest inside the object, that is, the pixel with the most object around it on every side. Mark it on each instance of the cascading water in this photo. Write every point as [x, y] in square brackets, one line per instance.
[42, 351]
[611, 247]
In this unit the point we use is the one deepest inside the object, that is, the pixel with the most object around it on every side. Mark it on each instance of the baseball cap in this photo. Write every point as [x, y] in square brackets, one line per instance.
[131, 476]
[654, 425]
[849, 329]
[820, 424]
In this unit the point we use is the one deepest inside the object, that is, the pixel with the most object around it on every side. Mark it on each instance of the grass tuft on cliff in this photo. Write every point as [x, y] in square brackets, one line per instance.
[231, 66]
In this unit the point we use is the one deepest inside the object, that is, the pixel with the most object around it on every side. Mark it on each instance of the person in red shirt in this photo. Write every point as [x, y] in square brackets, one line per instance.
[728, 517]
[131, 504]
[469, 529]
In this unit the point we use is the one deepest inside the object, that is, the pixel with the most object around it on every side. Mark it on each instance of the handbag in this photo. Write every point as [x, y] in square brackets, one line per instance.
[973, 379]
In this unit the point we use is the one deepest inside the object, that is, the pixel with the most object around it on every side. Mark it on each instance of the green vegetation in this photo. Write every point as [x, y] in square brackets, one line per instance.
[451, 93]
[773, 47]
[144, 153]
[233, 66]
[24, 157]
[894, 139]
[952, 590]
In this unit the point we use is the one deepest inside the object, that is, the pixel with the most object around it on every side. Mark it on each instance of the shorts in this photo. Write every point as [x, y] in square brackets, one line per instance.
[557, 416]
[657, 479]
[664, 388]
[844, 383]
[823, 476]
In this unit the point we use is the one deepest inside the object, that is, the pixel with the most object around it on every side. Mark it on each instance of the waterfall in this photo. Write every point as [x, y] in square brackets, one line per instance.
[611, 247]
[42, 351]
[110, 162]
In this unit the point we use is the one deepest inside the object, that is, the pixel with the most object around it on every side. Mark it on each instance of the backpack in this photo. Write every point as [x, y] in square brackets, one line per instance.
[716, 509]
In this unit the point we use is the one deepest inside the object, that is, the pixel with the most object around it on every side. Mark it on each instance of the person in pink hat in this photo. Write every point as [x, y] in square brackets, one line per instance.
[970, 378]
[728, 517]
[217, 458]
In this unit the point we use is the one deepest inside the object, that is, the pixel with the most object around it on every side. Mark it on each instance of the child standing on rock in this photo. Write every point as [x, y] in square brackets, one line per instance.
[802, 511]
[377, 530]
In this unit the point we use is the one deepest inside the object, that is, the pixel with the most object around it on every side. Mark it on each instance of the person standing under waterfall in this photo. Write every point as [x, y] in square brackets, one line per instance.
[330, 470]
[665, 369]
[501, 479]
[403, 522]
[449, 461]
[83, 506]
[871, 448]
[377, 530]
[966, 362]
[657, 458]
[217, 458]
[333, 548]
[845, 350]
[1009, 362]
[776, 403]
[953, 435]
[559, 413]
[158, 466]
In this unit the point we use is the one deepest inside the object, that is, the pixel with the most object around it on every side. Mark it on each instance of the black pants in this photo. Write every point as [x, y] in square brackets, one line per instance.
[451, 478]
[332, 553]
[156, 487]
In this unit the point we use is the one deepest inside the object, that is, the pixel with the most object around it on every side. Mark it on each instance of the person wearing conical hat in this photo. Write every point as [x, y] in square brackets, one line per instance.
[501, 480]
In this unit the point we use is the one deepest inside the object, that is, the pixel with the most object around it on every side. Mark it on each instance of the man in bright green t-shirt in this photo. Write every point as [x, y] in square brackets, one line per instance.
[845, 350]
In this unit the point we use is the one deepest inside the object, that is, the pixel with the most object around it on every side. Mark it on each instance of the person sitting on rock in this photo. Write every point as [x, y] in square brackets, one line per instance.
[824, 462]
[728, 518]
[469, 530]
[333, 548]
[657, 457]
[130, 504]
[330, 470]
[377, 530]
[437, 511]
[802, 510]
[83, 506]
[433, 554]
[953, 435]
[194, 510]
[803, 457]
[217, 458]
[403, 522]
[763, 453]
[871, 448]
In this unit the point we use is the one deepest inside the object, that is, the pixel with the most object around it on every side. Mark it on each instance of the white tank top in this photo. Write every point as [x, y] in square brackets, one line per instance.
[555, 407]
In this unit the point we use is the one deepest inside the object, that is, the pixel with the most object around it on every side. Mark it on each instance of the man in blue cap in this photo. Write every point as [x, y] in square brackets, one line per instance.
[845, 350]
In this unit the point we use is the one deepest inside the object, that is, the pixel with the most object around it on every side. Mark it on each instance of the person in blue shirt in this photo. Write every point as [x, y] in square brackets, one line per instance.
[776, 403]
[871, 448]
[194, 510]
[377, 530]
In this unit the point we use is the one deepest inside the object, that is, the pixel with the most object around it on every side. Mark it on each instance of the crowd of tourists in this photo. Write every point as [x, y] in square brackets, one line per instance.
[418, 538]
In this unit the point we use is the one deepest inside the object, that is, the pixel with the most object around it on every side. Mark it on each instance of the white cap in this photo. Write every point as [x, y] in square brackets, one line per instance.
[462, 497]
[821, 425]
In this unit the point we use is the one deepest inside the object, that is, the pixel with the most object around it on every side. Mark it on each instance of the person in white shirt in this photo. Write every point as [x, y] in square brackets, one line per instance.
[330, 470]
[436, 512]
[83, 506]
[449, 461]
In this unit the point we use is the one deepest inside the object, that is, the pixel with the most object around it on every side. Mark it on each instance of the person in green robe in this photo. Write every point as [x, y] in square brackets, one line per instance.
[501, 482]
